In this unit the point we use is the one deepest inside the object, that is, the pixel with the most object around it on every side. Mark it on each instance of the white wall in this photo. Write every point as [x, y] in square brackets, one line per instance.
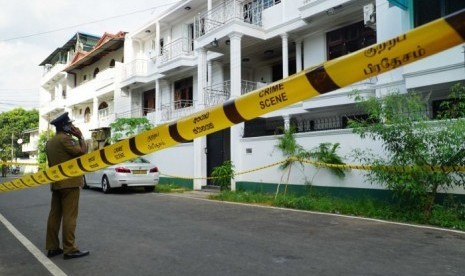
[264, 153]
[314, 50]
[176, 160]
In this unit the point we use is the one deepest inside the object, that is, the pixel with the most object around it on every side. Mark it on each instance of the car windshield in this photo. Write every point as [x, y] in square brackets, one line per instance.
[138, 160]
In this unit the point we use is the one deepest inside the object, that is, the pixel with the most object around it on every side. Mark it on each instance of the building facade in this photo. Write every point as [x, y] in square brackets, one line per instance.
[200, 53]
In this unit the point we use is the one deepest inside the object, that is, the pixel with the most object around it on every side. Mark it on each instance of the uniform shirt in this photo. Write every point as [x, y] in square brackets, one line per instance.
[60, 148]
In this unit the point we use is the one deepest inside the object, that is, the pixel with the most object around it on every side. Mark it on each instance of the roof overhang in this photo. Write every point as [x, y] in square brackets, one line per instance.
[102, 49]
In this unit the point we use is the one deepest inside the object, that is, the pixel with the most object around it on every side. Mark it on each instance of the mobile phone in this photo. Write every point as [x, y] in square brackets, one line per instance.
[67, 128]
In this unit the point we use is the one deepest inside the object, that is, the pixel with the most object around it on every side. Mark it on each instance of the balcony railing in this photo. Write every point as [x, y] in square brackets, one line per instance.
[137, 67]
[221, 92]
[178, 48]
[250, 12]
[177, 109]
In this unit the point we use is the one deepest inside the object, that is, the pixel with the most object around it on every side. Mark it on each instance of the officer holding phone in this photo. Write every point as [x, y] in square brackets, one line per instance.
[65, 193]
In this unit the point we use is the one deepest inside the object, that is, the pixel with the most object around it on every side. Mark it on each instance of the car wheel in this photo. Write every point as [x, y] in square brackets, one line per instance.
[149, 189]
[105, 185]
[85, 186]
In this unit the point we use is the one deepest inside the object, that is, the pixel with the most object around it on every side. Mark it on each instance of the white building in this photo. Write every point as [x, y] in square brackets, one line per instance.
[202, 52]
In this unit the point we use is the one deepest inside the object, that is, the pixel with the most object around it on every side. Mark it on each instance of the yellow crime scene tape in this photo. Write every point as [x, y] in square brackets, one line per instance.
[18, 164]
[340, 166]
[412, 46]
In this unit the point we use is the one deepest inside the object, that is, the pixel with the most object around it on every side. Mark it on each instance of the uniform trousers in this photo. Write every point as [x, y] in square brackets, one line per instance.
[64, 207]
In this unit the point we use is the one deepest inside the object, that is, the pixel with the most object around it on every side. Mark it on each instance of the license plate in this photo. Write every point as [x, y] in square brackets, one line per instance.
[139, 172]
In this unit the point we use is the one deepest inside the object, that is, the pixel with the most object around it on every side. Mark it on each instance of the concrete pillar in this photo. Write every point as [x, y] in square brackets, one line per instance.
[157, 39]
[157, 102]
[209, 74]
[298, 55]
[285, 42]
[201, 77]
[236, 130]
[287, 122]
[95, 117]
[236, 59]
[200, 158]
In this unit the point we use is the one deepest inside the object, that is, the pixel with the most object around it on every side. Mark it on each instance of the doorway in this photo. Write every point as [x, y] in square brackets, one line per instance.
[218, 150]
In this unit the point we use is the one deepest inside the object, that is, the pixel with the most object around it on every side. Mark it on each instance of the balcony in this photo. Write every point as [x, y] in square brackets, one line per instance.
[311, 8]
[226, 12]
[52, 75]
[176, 110]
[106, 116]
[219, 93]
[148, 113]
[137, 71]
[54, 106]
[176, 55]
[81, 93]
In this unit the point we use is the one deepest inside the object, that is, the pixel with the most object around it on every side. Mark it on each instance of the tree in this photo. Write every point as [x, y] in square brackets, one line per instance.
[41, 154]
[15, 122]
[296, 154]
[292, 151]
[126, 127]
[326, 153]
[413, 145]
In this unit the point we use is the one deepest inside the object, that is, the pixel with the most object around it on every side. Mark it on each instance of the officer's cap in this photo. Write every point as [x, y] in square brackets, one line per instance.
[61, 120]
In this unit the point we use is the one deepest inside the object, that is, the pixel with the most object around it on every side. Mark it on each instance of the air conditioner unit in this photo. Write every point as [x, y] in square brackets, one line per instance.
[369, 15]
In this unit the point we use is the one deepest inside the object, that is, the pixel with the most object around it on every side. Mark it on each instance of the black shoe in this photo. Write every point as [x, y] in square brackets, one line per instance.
[53, 253]
[75, 254]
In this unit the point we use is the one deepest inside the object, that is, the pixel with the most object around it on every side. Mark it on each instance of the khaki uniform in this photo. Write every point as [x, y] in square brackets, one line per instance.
[65, 194]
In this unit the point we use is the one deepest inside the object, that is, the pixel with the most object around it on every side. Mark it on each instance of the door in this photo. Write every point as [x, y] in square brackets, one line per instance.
[149, 101]
[218, 150]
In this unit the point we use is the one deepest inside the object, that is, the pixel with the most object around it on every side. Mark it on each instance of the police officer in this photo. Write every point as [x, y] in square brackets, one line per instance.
[65, 193]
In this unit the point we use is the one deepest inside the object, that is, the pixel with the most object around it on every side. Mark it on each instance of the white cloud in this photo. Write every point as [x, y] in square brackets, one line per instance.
[28, 34]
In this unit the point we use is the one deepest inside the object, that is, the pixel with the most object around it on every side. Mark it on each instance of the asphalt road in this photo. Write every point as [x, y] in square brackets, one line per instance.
[137, 233]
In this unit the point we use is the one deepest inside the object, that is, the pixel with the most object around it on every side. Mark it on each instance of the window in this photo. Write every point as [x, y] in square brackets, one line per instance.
[190, 36]
[425, 11]
[149, 101]
[277, 70]
[96, 72]
[270, 3]
[263, 127]
[183, 93]
[349, 39]
[102, 110]
[162, 44]
[87, 115]
[102, 105]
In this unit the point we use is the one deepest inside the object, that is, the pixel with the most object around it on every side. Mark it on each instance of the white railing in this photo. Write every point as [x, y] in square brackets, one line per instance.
[50, 72]
[137, 67]
[219, 93]
[177, 109]
[56, 104]
[134, 113]
[249, 12]
[175, 49]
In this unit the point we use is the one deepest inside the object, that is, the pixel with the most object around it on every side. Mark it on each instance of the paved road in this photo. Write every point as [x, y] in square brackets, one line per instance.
[137, 233]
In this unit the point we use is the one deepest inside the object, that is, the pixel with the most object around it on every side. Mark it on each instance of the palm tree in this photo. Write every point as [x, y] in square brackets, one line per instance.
[293, 152]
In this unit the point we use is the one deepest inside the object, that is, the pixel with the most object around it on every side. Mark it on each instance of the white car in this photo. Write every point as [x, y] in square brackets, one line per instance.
[137, 172]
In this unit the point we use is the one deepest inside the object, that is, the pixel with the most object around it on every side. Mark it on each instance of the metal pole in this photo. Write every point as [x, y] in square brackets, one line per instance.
[12, 149]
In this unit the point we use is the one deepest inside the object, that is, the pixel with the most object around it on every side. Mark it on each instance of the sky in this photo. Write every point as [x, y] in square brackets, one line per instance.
[30, 30]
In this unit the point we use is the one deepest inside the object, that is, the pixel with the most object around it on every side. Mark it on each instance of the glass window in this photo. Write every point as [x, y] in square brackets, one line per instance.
[428, 10]
[183, 93]
[349, 39]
